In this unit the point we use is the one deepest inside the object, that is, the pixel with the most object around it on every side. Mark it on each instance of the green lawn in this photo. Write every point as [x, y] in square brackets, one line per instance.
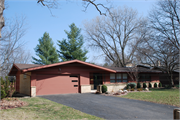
[162, 96]
[43, 109]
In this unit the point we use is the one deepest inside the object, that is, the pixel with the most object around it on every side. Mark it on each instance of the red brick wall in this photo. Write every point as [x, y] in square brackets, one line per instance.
[154, 78]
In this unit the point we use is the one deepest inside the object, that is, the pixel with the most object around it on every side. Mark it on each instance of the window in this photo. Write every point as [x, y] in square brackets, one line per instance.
[124, 77]
[112, 81]
[25, 76]
[119, 77]
[144, 77]
[112, 78]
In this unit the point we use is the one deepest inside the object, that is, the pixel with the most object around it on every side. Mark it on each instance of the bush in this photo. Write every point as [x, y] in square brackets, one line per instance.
[127, 87]
[3, 93]
[150, 85]
[144, 85]
[139, 89]
[104, 88]
[132, 85]
[160, 85]
[155, 85]
[138, 85]
[7, 88]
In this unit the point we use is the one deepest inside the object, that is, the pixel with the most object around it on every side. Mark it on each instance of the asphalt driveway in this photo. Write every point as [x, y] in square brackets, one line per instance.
[113, 107]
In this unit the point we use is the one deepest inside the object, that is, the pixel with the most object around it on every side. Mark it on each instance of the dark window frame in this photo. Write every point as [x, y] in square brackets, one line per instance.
[119, 80]
[144, 77]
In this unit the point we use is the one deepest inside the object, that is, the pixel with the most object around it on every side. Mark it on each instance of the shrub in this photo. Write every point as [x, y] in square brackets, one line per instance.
[150, 85]
[132, 85]
[160, 85]
[155, 85]
[7, 88]
[139, 89]
[144, 85]
[3, 93]
[127, 87]
[138, 85]
[104, 88]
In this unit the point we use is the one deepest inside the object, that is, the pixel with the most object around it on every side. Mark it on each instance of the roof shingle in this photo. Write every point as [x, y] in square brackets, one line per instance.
[24, 66]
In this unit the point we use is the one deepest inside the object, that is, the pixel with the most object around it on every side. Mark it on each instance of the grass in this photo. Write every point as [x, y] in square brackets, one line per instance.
[162, 96]
[43, 109]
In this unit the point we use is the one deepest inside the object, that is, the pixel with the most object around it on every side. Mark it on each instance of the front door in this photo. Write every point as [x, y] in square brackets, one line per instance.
[97, 79]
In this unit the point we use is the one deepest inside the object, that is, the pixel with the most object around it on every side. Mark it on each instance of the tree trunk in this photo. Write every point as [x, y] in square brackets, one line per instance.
[1, 15]
[172, 82]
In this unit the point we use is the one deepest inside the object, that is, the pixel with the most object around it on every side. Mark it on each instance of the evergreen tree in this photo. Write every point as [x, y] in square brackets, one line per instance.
[72, 48]
[45, 51]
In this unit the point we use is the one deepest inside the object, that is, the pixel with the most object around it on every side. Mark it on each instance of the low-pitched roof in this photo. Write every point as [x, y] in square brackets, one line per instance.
[129, 69]
[25, 66]
[31, 67]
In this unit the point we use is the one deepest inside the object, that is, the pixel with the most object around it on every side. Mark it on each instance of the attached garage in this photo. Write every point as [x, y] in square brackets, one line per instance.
[53, 84]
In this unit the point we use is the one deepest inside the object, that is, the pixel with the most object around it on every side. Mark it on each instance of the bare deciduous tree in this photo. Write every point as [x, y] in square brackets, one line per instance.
[164, 19]
[53, 4]
[133, 73]
[1, 15]
[115, 34]
[11, 47]
[161, 38]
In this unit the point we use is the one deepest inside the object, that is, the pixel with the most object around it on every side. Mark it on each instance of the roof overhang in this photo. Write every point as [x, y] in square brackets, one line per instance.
[67, 62]
[13, 71]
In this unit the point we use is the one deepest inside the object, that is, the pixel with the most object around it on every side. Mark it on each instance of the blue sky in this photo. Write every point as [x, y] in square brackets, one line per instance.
[40, 20]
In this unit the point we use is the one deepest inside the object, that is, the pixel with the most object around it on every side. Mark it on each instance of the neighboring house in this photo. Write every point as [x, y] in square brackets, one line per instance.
[73, 76]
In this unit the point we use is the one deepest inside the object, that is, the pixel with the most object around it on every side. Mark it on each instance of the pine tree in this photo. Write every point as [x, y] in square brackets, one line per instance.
[45, 51]
[72, 48]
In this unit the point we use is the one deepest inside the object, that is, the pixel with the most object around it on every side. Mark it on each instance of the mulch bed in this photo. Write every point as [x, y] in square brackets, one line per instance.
[9, 103]
[121, 94]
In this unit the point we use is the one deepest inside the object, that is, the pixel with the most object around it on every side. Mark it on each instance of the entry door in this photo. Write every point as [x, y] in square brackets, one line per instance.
[97, 79]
